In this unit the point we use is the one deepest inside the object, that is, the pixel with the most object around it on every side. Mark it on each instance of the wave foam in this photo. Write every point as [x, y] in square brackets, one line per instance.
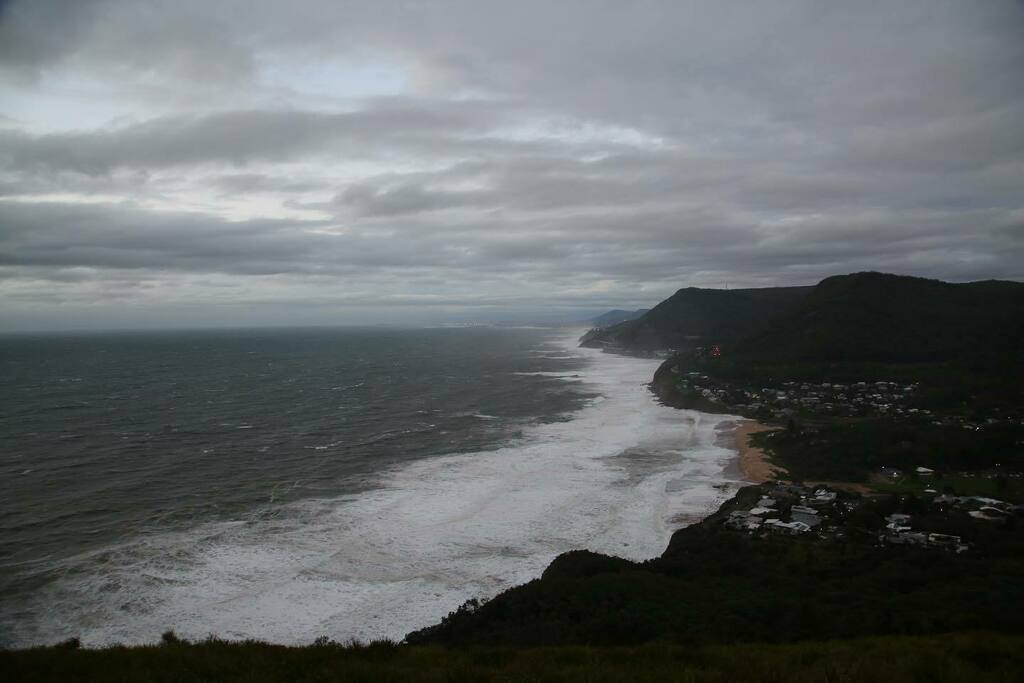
[618, 478]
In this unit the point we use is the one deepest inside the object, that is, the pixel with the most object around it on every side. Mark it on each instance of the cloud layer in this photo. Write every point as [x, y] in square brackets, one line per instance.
[179, 163]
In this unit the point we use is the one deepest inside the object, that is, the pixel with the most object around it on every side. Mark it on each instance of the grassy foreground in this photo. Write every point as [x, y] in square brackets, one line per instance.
[961, 657]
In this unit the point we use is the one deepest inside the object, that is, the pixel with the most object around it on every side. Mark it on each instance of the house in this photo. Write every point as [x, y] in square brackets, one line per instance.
[989, 514]
[944, 540]
[822, 498]
[924, 471]
[782, 488]
[898, 523]
[993, 502]
[805, 515]
[789, 528]
[742, 521]
[825, 495]
[907, 538]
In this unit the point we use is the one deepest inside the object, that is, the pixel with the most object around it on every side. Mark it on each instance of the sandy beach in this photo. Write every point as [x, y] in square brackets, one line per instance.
[753, 462]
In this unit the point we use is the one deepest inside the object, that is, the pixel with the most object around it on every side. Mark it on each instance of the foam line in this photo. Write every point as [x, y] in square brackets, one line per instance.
[616, 478]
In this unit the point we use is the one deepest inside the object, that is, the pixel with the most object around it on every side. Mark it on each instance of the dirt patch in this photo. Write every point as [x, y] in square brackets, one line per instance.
[753, 462]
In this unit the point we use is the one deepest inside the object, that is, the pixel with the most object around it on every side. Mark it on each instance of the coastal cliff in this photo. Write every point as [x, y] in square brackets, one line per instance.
[692, 317]
[842, 324]
[743, 352]
[719, 582]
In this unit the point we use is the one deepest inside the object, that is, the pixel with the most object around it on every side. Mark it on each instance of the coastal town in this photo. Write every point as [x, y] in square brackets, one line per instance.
[797, 398]
[945, 522]
[792, 399]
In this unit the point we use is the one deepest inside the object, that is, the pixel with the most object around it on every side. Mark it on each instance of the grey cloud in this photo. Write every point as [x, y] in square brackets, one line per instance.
[33, 34]
[236, 137]
[634, 247]
[529, 182]
[368, 199]
[639, 147]
[101, 236]
[1014, 230]
[128, 37]
[244, 183]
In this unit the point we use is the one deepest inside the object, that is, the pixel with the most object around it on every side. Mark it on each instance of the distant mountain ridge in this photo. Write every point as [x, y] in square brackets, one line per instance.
[860, 317]
[876, 317]
[694, 316]
[616, 316]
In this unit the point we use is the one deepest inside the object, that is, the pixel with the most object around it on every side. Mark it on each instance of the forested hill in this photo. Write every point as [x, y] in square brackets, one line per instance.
[874, 317]
[616, 316]
[693, 316]
[861, 317]
[714, 584]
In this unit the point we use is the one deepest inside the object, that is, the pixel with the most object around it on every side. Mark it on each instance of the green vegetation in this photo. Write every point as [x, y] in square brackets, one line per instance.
[693, 316]
[956, 657]
[854, 450]
[718, 605]
[722, 604]
[879, 318]
[616, 316]
[714, 585]
[959, 346]
[856, 318]
[1010, 489]
[963, 343]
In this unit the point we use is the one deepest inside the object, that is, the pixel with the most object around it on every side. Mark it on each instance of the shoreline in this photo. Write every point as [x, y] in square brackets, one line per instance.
[752, 461]
[516, 511]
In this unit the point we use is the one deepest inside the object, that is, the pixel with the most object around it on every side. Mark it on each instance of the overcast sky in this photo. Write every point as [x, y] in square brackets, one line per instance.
[264, 162]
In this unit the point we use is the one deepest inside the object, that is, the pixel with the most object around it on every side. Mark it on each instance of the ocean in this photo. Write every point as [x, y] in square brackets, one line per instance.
[350, 483]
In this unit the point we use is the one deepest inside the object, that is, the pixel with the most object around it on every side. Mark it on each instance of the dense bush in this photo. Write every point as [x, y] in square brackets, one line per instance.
[714, 585]
[959, 658]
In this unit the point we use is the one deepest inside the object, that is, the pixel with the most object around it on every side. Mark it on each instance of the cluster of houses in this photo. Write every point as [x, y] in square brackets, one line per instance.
[793, 398]
[783, 508]
[899, 531]
[857, 398]
[852, 399]
[979, 507]
[789, 509]
[925, 474]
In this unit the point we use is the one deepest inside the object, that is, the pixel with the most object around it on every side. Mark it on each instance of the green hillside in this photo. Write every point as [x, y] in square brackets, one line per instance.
[948, 658]
[856, 318]
[719, 605]
[962, 343]
[875, 317]
[693, 316]
[715, 585]
[616, 316]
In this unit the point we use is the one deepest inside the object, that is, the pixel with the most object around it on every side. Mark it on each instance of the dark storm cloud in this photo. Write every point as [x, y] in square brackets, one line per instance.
[122, 237]
[146, 37]
[33, 34]
[634, 248]
[597, 152]
[110, 236]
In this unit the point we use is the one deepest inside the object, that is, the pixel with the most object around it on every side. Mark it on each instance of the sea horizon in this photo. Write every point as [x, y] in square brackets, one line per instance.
[536, 447]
